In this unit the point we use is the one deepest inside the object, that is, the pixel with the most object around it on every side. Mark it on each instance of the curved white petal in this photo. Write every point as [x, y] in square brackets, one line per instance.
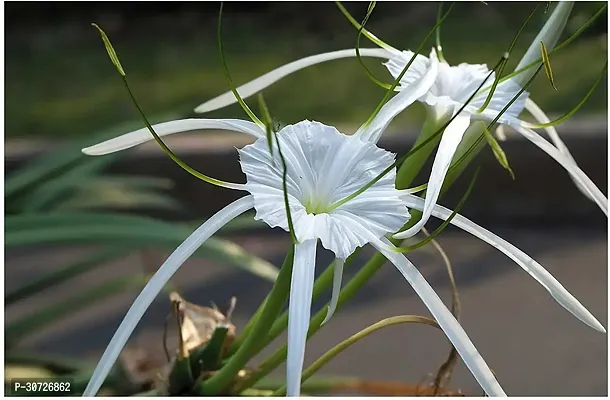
[299, 312]
[407, 96]
[549, 34]
[155, 285]
[537, 271]
[452, 328]
[334, 298]
[418, 68]
[167, 128]
[248, 89]
[566, 162]
[542, 118]
[446, 149]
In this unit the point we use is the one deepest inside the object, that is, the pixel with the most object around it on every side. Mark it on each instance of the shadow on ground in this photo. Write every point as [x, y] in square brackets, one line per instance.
[534, 346]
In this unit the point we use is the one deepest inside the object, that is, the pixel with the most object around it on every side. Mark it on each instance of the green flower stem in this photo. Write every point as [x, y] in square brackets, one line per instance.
[338, 349]
[410, 168]
[322, 283]
[252, 343]
[347, 293]
[456, 171]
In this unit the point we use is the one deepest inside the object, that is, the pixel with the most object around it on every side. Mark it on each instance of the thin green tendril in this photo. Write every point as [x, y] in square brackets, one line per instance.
[506, 56]
[414, 150]
[405, 69]
[359, 57]
[241, 101]
[489, 127]
[445, 223]
[439, 48]
[115, 60]
[366, 33]
[291, 231]
[578, 106]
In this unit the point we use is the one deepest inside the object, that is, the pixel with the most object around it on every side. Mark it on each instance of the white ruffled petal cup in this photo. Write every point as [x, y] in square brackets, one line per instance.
[449, 93]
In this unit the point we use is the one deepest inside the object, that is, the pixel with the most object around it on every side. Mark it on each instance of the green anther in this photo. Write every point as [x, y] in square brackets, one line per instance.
[111, 53]
[506, 56]
[547, 64]
[241, 101]
[405, 69]
[115, 60]
[475, 145]
[497, 150]
[445, 223]
[578, 106]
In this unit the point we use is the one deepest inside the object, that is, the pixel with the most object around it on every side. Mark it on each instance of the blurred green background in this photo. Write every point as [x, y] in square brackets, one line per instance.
[60, 83]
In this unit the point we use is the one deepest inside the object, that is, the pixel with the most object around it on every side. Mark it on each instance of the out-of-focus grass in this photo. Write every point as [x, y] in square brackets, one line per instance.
[59, 82]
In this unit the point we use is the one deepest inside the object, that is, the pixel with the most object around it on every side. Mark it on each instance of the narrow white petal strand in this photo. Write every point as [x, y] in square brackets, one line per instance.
[299, 312]
[566, 162]
[451, 139]
[537, 271]
[155, 285]
[542, 118]
[407, 96]
[334, 299]
[258, 84]
[452, 328]
[167, 128]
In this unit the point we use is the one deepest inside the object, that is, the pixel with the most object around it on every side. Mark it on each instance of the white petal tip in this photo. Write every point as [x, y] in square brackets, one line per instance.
[90, 151]
[595, 324]
[400, 235]
[200, 109]
[329, 315]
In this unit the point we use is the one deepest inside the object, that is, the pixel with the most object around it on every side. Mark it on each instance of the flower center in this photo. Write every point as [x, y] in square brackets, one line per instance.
[315, 206]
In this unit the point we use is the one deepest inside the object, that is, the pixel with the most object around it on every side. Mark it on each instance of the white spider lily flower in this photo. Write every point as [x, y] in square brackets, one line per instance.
[450, 92]
[324, 166]
[452, 88]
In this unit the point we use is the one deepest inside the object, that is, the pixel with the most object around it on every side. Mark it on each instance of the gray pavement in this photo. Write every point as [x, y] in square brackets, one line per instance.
[534, 346]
